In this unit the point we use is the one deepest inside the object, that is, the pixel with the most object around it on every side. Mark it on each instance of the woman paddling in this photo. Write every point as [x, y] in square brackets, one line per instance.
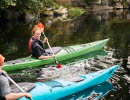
[5, 91]
[36, 46]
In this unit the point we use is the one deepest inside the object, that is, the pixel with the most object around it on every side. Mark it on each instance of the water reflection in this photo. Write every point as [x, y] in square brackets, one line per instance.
[93, 26]
[92, 93]
[95, 54]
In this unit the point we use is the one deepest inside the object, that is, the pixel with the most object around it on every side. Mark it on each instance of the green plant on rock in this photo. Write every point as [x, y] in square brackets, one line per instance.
[125, 3]
[75, 12]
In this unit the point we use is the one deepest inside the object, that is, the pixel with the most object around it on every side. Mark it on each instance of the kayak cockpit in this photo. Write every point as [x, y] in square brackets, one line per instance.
[26, 86]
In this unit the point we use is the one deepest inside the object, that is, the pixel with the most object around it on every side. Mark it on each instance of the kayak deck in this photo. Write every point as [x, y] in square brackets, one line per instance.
[63, 54]
[59, 88]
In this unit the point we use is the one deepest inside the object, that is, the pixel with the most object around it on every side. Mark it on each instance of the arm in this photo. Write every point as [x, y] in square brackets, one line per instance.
[14, 96]
[45, 40]
[6, 91]
[39, 55]
[2, 71]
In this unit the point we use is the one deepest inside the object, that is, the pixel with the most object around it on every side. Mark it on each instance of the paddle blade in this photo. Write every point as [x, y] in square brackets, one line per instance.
[59, 66]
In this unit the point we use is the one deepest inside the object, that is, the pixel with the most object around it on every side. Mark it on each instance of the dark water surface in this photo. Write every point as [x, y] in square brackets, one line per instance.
[14, 36]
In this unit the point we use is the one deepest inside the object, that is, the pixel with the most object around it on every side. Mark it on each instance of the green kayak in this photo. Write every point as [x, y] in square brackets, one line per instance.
[63, 53]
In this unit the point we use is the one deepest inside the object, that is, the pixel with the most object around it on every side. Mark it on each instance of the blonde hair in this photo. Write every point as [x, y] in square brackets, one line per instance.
[35, 28]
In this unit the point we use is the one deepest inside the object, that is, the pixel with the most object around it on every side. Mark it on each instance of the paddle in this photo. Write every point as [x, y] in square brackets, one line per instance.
[59, 66]
[16, 85]
[40, 25]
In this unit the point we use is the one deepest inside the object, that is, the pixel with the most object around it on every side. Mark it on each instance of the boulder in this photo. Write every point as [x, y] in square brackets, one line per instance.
[47, 13]
[29, 17]
[61, 11]
[118, 6]
[125, 5]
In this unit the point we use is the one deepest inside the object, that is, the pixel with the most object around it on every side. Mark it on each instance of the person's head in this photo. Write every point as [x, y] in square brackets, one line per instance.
[36, 32]
[1, 61]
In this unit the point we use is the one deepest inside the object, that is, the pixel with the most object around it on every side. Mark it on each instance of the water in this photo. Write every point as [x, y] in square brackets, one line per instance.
[92, 93]
[89, 27]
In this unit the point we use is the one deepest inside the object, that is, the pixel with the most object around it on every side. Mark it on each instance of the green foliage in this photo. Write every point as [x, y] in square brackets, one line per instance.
[7, 3]
[27, 5]
[125, 2]
[48, 3]
[75, 12]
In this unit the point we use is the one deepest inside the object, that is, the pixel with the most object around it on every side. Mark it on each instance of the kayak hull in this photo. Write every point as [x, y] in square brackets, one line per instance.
[64, 54]
[60, 88]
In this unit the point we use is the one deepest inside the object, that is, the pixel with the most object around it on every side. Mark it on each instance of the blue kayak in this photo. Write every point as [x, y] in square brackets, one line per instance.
[59, 88]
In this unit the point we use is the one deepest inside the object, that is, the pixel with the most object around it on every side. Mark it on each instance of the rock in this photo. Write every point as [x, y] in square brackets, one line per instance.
[48, 23]
[98, 2]
[61, 11]
[118, 6]
[61, 18]
[29, 17]
[47, 13]
[126, 6]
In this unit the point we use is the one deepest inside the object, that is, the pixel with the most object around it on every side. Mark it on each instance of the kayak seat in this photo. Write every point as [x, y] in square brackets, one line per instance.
[21, 60]
[16, 61]
[52, 84]
[54, 49]
[26, 86]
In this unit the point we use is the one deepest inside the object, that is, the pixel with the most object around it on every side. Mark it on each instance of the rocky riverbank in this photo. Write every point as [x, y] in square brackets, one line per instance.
[62, 9]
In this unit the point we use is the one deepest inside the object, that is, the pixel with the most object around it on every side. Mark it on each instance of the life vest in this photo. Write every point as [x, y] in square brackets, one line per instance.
[30, 44]
[39, 44]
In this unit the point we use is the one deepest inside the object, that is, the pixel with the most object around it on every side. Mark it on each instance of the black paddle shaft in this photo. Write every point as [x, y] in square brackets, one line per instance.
[51, 49]
[16, 85]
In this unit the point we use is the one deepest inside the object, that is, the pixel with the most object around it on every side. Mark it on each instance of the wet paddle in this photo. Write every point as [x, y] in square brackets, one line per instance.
[59, 66]
[40, 25]
[16, 85]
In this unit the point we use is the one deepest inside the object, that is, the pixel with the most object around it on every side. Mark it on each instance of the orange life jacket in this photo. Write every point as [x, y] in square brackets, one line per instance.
[30, 44]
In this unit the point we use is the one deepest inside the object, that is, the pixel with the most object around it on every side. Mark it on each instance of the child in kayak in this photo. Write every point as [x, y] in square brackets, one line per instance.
[36, 46]
[5, 91]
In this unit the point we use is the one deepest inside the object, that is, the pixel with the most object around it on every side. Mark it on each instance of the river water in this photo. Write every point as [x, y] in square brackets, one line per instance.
[90, 27]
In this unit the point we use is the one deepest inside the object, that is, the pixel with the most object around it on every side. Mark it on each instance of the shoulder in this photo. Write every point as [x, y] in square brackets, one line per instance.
[35, 44]
[3, 79]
